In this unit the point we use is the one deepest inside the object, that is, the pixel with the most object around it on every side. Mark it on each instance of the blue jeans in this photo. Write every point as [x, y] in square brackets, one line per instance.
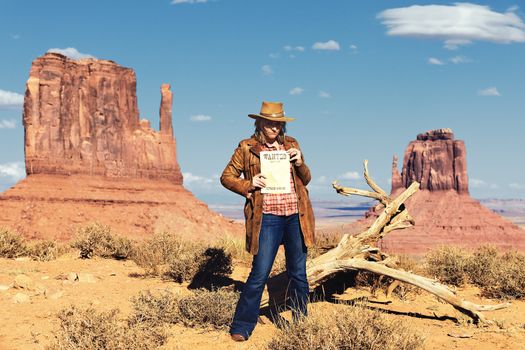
[274, 231]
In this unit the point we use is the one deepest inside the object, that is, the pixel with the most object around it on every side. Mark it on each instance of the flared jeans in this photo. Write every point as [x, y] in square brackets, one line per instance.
[275, 230]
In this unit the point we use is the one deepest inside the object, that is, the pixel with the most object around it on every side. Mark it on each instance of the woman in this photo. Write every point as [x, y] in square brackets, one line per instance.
[271, 219]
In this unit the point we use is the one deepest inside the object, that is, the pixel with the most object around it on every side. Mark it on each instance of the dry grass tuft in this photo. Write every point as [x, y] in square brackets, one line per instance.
[47, 250]
[155, 310]
[98, 240]
[88, 329]
[202, 308]
[208, 308]
[498, 275]
[344, 327]
[12, 245]
[449, 264]
[168, 255]
[154, 254]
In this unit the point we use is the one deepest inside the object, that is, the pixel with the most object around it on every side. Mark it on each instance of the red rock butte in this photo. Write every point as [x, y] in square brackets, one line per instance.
[89, 158]
[443, 210]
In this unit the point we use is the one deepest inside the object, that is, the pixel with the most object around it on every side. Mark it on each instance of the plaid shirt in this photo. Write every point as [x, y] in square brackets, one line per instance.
[280, 204]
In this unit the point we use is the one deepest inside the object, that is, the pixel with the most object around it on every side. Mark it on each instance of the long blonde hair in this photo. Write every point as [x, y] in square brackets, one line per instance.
[259, 133]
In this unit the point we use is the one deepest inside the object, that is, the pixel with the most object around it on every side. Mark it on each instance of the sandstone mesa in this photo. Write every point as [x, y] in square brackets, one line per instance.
[443, 210]
[90, 158]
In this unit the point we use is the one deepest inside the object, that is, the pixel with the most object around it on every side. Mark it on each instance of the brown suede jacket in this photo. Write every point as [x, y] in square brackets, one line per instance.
[245, 160]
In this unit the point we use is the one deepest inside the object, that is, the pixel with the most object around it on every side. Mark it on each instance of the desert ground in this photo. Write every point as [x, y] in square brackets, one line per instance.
[30, 308]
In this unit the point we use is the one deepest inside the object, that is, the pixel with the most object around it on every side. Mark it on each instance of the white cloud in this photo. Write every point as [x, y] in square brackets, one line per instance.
[329, 45]
[273, 55]
[71, 52]
[454, 44]
[460, 59]
[7, 124]
[435, 61]
[324, 94]
[491, 91]
[296, 91]
[200, 118]
[267, 70]
[353, 47]
[12, 172]
[15, 36]
[517, 186]
[321, 179]
[294, 48]
[477, 183]
[10, 99]
[204, 184]
[458, 24]
[350, 175]
[178, 2]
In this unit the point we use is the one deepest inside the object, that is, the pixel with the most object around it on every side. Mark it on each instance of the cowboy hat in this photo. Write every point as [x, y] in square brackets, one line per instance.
[272, 111]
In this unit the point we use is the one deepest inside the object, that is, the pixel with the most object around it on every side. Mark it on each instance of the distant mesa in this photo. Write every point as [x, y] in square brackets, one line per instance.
[443, 210]
[81, 117]
[436, 161]
[89, 157]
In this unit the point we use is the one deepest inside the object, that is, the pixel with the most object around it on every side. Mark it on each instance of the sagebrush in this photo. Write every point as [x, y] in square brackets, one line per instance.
[98, 240]
[47, 250]
[89, 329]
[202, 308]
[12, 245]
[168, 255]
[498, 275]
[449, 264]
[334, 327]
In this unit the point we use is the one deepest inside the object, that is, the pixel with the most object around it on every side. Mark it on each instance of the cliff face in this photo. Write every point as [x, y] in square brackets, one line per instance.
[81, 117]
[436, 161]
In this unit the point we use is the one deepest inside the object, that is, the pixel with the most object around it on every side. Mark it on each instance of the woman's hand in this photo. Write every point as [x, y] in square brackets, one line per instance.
[258, 181]
[295, 156]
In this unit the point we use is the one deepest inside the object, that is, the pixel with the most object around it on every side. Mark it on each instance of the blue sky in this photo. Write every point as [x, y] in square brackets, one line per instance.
[363, 78]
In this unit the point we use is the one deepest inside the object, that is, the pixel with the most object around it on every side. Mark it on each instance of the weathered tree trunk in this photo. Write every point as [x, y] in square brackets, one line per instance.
[360, 253]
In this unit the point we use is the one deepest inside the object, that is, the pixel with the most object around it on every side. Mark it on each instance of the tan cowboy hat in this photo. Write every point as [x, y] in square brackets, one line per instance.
[272, 111]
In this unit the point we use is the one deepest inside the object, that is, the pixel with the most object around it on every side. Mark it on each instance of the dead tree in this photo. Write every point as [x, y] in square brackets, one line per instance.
[360, 252]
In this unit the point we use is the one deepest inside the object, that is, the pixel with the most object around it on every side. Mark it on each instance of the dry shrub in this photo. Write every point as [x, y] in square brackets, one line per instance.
[196, 264]
[154, 309]
[202, 308]
[345, 327]
[498, 275]
[185, 264]
[154, 254]
[98, 240]
[208, 308]
[12, 244]
[483, 265]
[168, 255]
[449, 264]
[46, 250]
[88, 329]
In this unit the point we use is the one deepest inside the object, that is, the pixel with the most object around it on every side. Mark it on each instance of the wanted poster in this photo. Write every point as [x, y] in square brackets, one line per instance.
[275, 166]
